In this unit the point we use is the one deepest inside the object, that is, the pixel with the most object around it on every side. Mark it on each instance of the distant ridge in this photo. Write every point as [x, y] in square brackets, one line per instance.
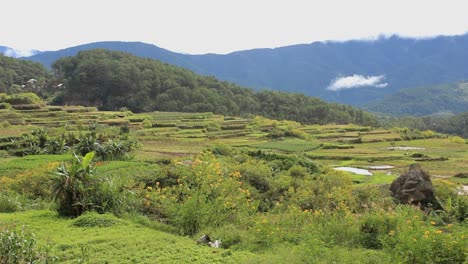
[311, 68]
[444, 99]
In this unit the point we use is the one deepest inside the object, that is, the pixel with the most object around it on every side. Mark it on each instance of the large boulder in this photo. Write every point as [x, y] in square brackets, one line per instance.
[415, 187]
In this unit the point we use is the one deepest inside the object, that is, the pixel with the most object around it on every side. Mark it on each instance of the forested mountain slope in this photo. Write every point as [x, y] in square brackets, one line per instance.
[111, 80]
[313, 68]
[15, 72]
[426, 100]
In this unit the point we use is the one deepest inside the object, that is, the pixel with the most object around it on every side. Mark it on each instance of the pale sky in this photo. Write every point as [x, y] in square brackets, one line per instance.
[222, 26]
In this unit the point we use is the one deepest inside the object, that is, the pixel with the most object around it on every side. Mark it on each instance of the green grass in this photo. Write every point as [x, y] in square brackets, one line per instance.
[288, 145]
[378, 178]
[136, 239]
[10, 167]
[123, 242]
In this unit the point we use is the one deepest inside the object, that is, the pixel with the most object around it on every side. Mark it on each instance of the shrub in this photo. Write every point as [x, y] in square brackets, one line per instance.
[457, 139]
[222, 150]
[72, 186]
[93, 219]
[5, 106]
[5, 124]
[20, 246]
[3, 97]
[9, 202]
[328, 192]
[205, 196]
[455, 205]
[147, 123]
[374, 227]
[24, 99]
[416, 241]
[77, 189]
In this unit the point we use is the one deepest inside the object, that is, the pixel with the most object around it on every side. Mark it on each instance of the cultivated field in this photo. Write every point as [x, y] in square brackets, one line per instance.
[286, 207]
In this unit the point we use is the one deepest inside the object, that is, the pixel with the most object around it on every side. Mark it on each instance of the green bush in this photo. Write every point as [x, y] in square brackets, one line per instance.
[24, 99]
[73, 186]
[9, 202]
[20, 246]
[416, 241]
[5, 124]
[222, 150]
[5, 106]
[147, 123]
[77, 189]
[205, 196]
[93, 219]
[374, 227]
[3, 97]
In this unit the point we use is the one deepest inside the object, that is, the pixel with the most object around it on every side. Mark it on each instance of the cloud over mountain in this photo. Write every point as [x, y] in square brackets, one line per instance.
[9, 52]
[356, 81]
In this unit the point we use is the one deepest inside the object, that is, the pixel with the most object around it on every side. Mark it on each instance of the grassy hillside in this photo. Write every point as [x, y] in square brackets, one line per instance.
[266, 188]
[423, 101]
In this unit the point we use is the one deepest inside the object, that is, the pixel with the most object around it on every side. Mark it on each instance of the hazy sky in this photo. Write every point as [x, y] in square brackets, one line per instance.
[221, 26]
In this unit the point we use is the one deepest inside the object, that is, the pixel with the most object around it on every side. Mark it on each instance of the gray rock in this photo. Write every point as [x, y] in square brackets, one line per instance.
[415, 187]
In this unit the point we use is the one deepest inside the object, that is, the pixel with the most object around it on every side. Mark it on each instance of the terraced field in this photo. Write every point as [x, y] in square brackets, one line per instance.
[169, 134]
[168, 158]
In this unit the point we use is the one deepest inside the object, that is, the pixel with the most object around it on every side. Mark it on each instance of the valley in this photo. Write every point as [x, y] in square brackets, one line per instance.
[279, 161]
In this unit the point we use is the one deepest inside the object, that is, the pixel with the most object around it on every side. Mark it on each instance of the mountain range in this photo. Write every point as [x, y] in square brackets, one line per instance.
[437, 100]
[354, 72]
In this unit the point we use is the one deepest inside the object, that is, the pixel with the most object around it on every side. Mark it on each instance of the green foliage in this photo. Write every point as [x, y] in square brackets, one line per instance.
[455, 206]
[424, 101]
[205, 195]
[20, 246]
[374, 228]
[107, 146]
[147, 123]
[126, 242]
[451, 124]
[23, 98]
[106, 149]
[5, 124]
[73, 186]
[327, 192]
[112, 80]
[4, 105]
[93, 219]
[416, 241]
[15, 72]
[456, 139]
[336, 146]
[9, 202]
[77, 189]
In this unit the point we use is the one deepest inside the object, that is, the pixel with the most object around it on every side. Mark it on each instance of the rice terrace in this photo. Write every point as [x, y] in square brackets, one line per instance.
[243, 132]
[265, 188]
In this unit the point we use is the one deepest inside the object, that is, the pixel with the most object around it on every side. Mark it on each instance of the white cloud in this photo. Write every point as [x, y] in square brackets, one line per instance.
[19, 53]
[356, 81]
